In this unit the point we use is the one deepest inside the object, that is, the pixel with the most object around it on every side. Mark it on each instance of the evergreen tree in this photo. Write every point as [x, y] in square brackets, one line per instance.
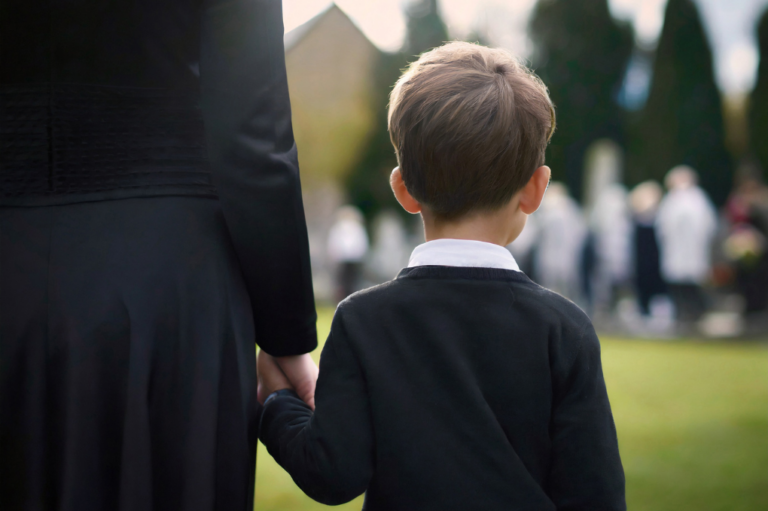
[682, 122]
[758, 118]
[368, 184]
[425, 28]
[581, 53]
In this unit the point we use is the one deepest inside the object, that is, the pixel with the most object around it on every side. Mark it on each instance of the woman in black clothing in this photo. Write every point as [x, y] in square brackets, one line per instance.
[151, 229]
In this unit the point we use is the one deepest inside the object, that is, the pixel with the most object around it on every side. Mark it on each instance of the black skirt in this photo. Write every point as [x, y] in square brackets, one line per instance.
[127, 373]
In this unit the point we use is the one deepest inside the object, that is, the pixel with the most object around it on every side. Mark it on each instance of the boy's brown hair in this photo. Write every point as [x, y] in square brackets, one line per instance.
[470, 125]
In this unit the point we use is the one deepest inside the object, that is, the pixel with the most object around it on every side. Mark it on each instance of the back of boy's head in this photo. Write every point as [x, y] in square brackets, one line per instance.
[470, 125]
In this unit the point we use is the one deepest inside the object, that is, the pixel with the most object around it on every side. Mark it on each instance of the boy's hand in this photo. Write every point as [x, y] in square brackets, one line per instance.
[301, 372]
[271, 378]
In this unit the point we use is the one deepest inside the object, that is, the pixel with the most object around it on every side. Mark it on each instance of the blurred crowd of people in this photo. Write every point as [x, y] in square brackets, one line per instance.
[655, 262]
[646, 260]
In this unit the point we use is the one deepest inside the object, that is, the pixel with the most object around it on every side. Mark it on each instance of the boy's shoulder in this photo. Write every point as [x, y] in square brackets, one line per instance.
[541, 304]
[518, 305]
[367, 297]
[361, 310]
[556, 306]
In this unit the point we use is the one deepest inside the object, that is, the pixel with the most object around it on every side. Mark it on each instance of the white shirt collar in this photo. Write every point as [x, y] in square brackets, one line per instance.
[451, 252]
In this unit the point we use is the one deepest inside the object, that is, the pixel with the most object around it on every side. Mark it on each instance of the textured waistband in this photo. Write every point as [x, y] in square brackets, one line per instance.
[63, 140]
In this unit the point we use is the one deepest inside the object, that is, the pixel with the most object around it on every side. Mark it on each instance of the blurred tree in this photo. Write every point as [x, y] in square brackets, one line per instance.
[425, 28]
[682, 122]
[478, 36]
[581, 52]
[368, 184]
[758, 118]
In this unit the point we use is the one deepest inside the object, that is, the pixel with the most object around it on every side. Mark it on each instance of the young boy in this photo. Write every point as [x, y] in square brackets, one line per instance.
[461, 384]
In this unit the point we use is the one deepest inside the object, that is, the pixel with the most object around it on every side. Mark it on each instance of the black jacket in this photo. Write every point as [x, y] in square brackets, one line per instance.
[117, 99]
[454, 389]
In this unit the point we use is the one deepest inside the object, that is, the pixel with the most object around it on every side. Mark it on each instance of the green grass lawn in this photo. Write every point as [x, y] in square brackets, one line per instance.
[692, 419]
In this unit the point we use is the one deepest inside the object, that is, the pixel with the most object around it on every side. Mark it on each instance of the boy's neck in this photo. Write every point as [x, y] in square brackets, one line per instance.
[498, 227]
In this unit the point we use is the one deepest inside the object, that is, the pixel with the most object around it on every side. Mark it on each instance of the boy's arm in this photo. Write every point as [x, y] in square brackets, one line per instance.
[586, 472]
[328, 452]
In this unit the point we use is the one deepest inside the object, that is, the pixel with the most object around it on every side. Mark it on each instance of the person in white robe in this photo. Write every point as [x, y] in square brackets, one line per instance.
[523, 248]
[347, 248]
[611, 226]
[562, 233]
[686, 225]
[390, 250]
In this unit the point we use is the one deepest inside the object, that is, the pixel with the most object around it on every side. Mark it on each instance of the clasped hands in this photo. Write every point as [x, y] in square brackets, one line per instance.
[298, 373]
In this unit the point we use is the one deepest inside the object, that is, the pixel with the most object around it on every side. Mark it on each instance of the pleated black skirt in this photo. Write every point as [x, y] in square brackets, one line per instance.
[127, 372]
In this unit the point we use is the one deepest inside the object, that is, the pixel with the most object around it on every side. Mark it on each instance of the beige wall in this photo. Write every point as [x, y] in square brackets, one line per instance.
[330, 80]
[330, 72]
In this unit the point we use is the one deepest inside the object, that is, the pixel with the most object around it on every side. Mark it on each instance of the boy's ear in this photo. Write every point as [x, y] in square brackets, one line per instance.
[532, 193]
[402, 195]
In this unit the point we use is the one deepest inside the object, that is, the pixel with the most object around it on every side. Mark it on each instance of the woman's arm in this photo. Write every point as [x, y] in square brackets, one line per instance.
[255, 167]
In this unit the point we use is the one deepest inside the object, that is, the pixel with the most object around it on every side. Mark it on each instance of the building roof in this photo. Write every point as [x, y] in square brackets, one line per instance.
[295, 36]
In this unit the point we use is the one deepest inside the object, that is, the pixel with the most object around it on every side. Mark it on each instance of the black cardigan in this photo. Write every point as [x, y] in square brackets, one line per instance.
[454, 388]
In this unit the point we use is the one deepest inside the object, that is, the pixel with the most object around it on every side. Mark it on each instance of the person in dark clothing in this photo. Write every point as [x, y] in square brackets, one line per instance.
[151, 232]
[648, 281]
[460, 384]
[644, 201]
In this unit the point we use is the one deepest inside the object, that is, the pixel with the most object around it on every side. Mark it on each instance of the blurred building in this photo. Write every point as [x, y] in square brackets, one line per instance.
[330, 75]
[330, 64]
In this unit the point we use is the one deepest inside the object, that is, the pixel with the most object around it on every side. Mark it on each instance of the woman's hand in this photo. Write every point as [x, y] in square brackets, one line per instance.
[301, 372]
[271, 377]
